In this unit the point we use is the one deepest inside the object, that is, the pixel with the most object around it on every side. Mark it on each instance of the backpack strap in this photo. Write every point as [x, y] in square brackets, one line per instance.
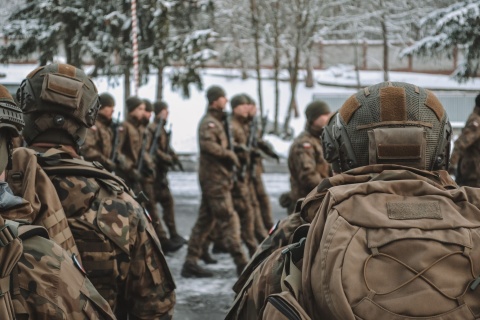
[291, 279]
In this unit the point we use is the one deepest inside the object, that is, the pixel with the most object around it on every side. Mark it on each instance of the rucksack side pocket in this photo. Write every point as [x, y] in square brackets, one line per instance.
[283, 306]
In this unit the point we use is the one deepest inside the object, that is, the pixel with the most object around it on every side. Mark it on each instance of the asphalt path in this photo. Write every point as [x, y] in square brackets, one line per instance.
[208, 298]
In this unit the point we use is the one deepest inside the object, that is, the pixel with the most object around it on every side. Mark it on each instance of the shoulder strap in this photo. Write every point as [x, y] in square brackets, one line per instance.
[53, 163]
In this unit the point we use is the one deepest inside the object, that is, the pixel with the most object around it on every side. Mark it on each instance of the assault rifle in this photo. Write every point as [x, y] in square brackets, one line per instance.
[156, 136]
[142, 152]
[116, 139]
[168, 150]
[228, 132]
[251, 144]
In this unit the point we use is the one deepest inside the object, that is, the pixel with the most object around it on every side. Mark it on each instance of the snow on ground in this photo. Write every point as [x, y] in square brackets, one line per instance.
[186, 113]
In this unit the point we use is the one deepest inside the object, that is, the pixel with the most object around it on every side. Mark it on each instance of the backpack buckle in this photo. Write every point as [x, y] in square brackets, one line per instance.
[7, 235]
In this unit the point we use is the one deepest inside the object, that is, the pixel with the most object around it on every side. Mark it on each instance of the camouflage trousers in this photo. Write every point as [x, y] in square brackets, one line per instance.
[243, 206]
[216, 210]
[151, 206]
[260, 230]
[264, 201]
[163, 195]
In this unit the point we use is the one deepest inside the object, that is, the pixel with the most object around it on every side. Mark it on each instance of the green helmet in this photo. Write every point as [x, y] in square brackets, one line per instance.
[59, 103]
[11, 117]
[389, 123]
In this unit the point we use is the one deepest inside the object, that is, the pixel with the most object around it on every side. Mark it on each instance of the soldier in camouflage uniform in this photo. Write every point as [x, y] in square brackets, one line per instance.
[99, 139]
[164, 158]
[216, 182]
[133, 135]
[151, 187]
[305, 159]
[118, 245]
[465, 161]
[242, 201]
[28, 257]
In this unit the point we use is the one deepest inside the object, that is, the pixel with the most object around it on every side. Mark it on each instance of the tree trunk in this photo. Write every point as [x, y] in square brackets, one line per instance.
[276, 66]
[385, 49]
[292, 106]
[159, 95]
[309, 80]
[254, 11]
[126, 87]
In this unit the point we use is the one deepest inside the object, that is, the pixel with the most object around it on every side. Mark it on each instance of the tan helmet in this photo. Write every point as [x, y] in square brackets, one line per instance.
[389, 123]
[59, 103]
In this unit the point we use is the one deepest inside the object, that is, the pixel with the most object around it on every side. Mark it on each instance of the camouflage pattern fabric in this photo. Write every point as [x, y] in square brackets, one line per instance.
[98, 143]
[261, 195]
[466, 152]
[44, 282]
[241, 191]
[306, 164]
[162, 193]
[216, 182]
[118, 245]
[29, 181]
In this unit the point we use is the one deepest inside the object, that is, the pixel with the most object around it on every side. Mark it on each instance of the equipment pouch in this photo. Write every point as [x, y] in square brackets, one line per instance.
[62, 90]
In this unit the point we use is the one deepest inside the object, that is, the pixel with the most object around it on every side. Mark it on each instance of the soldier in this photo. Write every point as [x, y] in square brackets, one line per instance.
[242, 201]
[28, 256]
[164, 158]
[257, 169]
[465, 161]
[151, 188]
[216, 182]
[305, 158]
[132, 146]
[99, 139]
[118, 245]
[389, 147]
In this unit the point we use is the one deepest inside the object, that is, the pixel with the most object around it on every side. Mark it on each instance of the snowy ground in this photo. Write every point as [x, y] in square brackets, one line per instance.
[208, 298]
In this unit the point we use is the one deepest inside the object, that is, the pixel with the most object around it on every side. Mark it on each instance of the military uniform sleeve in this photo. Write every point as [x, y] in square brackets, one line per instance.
[90, 149]
[123, 162]
[470, 134]
[305, 164]
[209, 134]
[150, 285]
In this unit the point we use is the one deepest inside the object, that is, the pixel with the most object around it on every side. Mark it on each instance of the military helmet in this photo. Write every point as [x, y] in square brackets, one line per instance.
[11, 117]
[58, 99]
[389, 123]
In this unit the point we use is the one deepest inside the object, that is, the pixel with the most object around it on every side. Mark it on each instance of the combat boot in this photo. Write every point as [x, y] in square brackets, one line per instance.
[193, 270]
[178, 238]
[207, 258]
[169, 245]
[219, 248]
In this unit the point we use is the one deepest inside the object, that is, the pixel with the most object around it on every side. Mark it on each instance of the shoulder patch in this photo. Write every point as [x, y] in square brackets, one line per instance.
[306, 145]
[475, 123]
[211, 124]
[147, 214]
[120, 128]
[94, 128]
[273, 228]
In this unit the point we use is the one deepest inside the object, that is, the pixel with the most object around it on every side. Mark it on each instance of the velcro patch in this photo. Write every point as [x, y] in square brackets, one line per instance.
[435, 105]
[414, 210]
[399, 151]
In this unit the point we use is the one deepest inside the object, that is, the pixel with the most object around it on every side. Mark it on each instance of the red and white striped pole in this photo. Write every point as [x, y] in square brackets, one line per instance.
[135, 45]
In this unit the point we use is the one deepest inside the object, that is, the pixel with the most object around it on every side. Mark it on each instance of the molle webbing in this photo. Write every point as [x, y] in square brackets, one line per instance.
[433, 103]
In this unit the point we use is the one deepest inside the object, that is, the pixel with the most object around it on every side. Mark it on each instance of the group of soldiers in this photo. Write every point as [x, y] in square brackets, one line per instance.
[81, 199]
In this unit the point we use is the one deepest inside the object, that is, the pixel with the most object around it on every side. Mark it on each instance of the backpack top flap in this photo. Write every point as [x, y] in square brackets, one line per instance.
[392, 250]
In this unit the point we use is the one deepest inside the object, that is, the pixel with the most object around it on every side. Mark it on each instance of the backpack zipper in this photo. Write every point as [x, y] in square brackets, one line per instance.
[285, 308]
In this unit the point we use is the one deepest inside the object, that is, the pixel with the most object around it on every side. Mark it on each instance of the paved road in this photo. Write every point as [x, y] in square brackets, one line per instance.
[208, 298]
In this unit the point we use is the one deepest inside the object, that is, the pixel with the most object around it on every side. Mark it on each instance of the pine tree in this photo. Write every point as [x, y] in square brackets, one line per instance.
[447, 29]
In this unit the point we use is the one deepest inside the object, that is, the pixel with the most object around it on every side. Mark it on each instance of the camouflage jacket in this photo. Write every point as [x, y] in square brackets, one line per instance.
[98, 142]
[215, 173]
[116, 240]
[240, 132]
[306, 164]
[466, 153]
[29, 181]
[44, 282]
[163, 158]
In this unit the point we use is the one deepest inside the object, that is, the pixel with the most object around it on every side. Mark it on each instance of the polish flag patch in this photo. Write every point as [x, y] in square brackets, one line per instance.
[211, 125]
[307, 145]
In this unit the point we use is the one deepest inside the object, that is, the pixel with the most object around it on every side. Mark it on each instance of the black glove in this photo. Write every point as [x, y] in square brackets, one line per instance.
[232, 157]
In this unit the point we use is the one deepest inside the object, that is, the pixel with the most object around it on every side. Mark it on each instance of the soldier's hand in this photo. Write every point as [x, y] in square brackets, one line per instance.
[168, 160]
[233, 158]
[240, 148]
